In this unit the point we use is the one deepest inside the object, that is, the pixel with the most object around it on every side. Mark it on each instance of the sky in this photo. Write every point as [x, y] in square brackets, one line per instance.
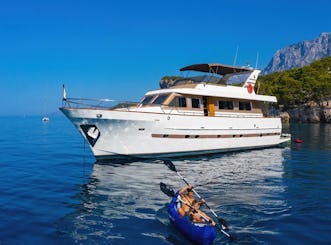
[119, 49]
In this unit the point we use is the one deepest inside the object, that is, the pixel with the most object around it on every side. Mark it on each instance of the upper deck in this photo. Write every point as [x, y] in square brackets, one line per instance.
[217, 81]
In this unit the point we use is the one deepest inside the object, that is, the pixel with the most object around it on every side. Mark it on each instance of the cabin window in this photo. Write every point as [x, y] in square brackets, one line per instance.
[225, 105]
[178, 102]
[195, 102]
[245, 106]
[147, 99]
[160, 99]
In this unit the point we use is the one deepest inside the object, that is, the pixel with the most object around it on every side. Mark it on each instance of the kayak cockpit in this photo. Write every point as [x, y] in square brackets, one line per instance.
[178, 204]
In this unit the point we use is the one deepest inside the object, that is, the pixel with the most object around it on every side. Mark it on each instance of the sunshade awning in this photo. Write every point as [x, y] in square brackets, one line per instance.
[216, 68]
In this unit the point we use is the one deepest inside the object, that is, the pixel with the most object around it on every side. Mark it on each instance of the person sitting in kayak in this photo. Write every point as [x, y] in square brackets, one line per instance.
[198, 216]
[186, 194]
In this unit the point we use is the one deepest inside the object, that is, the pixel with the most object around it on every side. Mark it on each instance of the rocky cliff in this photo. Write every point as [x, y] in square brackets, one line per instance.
[307, 115]
[300, 54]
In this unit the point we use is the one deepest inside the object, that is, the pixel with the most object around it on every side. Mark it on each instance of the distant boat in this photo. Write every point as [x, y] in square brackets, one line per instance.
[45, 118]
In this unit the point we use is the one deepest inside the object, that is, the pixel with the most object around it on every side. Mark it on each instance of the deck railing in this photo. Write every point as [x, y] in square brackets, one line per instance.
[89, 103]
[96, 103]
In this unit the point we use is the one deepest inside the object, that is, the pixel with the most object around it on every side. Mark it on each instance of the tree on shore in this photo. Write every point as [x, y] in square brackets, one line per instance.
[300, 86]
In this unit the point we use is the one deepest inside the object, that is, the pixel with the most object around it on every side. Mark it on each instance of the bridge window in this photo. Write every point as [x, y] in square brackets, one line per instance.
[147, 99]
[160, 99]
[178, 101]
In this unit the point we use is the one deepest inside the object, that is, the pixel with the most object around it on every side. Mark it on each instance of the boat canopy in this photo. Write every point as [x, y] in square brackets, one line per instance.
[216, 68]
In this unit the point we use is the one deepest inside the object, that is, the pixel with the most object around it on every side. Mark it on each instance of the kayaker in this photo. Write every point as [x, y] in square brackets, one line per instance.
[198, 216]
[186, 194]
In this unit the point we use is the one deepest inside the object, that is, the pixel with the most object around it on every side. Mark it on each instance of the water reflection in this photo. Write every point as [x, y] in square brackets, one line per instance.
[307, 178]
[123, 204]
[314, 136]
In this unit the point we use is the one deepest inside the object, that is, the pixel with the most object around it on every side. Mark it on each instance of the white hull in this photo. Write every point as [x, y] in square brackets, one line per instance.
[117, 133]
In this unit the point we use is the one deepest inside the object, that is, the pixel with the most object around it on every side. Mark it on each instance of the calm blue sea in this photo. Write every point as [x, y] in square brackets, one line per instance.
[52, 192]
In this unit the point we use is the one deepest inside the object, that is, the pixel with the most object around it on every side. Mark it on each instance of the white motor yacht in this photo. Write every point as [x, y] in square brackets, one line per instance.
[197, 115]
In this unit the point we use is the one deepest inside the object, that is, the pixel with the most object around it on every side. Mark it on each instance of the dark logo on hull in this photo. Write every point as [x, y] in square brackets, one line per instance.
[92, 133]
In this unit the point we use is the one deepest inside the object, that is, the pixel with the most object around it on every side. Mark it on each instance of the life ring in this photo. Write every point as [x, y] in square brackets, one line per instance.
[250, 88]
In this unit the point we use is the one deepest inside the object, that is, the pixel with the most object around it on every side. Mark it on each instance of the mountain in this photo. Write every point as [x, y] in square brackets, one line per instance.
[300, 54]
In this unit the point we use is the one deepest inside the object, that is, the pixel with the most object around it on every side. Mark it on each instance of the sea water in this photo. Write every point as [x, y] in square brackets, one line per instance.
[53, 192]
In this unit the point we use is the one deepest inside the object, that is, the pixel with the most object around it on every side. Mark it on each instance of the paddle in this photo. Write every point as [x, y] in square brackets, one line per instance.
[170, 193]
[172, 167]
[166, 190]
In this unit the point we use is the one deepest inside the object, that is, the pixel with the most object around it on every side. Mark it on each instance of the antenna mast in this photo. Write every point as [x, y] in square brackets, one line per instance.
[257, 59]
[235, 57]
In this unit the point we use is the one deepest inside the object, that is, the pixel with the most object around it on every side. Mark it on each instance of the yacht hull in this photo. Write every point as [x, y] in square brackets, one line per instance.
[115, 134]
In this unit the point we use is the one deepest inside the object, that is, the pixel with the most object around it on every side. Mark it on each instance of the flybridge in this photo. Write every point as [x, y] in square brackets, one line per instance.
[221, 74]
[218, 74]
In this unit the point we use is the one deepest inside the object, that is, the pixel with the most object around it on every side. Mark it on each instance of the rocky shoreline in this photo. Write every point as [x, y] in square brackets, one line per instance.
[306, 114]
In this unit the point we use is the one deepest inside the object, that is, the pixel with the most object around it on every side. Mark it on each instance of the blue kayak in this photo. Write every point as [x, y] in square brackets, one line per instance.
[197, 233]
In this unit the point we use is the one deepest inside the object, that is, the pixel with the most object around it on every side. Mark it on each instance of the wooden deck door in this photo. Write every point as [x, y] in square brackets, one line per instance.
[208, 106]
[211, 106]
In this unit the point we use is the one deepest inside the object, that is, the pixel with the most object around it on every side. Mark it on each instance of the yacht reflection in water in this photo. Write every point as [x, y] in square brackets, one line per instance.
[123, 203]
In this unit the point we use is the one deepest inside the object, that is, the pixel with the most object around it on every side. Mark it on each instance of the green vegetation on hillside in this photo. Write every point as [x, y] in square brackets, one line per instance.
[300, 85]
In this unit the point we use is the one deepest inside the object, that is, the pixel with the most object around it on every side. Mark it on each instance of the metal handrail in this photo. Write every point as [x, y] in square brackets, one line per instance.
[95, 103]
